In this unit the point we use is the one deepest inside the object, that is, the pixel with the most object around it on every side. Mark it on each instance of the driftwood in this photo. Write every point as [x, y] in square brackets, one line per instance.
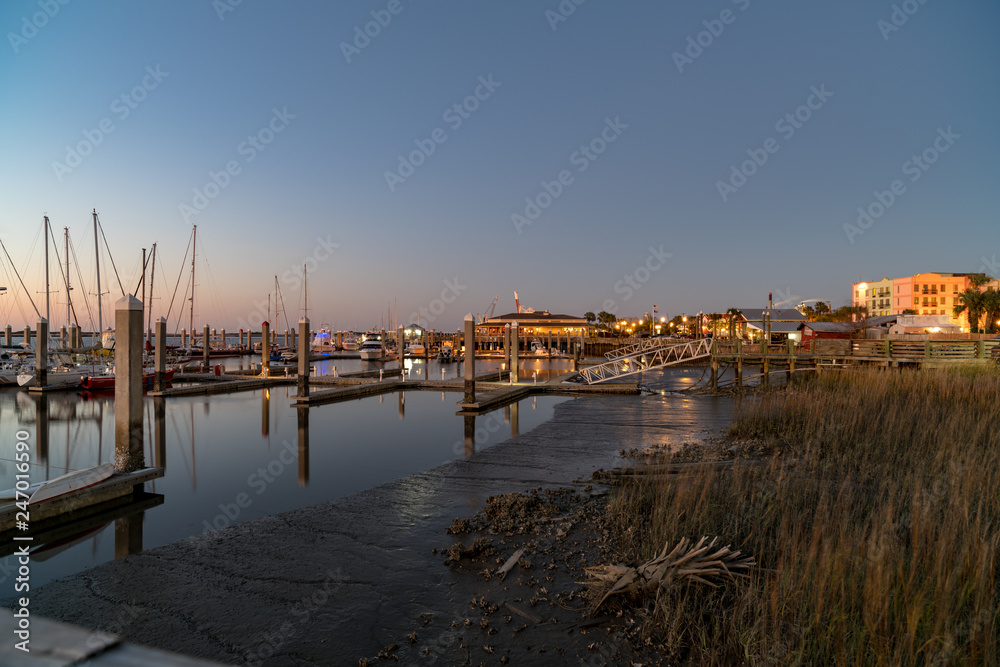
[511, 562]
[702, 562]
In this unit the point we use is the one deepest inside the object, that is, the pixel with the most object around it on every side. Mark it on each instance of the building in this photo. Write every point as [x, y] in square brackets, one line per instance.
[782, 322]
[538, 323]
[923, 324]
[820, 330]
[922, 294]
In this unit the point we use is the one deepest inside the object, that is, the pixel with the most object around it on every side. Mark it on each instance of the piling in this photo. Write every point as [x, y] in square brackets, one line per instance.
[41, 353]
[286, 338]
[739, 363]
[293, 338]
[400, 347]
[160, 430]
[548, 344]
[506, 345]
[382, 345]
[427, 343]
[160, 356]
[340, 340]
[184, 338]
[515, 343]
[128, 534]
[241, 338]
[303, 380]
[74, 336]
[265, 412]
[715, 366]
[27, 337]
[128, 385]
[206, 346]
[7, 335]
[265, 351]
[470, 360]
[576, 355]
[63, 338]
[222, 340]
[42, 420]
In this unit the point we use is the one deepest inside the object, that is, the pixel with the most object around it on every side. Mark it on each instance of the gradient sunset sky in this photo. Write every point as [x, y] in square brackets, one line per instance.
[593, 156]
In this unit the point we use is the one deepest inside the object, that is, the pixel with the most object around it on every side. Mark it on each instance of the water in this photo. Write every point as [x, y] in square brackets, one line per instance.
[236, 457]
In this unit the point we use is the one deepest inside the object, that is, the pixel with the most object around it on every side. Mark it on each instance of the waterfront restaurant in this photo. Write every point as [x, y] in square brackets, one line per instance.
[537, 324]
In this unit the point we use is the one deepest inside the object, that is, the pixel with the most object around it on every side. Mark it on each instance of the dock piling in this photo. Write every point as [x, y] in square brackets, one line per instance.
[27, 337]
[128, 385]
[160, 355]
[506, 345]
[7, 335]
[265, 350]
[42, 353]
[303, 380]
[515, 342]
[470, 360]
[206, 346]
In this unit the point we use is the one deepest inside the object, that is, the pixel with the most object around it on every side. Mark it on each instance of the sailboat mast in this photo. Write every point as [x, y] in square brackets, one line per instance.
[152, 275]
[69, 298]
[97, 253]
[47, 319]
[305, 275]
[194, 250]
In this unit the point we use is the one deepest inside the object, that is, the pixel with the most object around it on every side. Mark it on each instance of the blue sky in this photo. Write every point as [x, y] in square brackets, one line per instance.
[309, 118]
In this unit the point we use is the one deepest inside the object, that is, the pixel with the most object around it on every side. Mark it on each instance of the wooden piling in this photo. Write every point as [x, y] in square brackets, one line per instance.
[470, 359]
[739, 363]
[7, 335]
[303, 379]
[506, 345]
[42, 353]
[184, 338]
[27, 337]
[206, 345]
[160, 356]
[715, 365]
[128, 385]
[265, 350]
[514, 352]
[63, 337]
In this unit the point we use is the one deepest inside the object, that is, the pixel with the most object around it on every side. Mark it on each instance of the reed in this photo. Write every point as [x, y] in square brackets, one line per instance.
[875, 524]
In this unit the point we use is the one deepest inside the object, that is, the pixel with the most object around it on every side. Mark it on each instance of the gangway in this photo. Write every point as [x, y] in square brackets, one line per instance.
[644, 345]
[667, 353]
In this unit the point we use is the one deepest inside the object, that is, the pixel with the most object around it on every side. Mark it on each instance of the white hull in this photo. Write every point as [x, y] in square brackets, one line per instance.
[70, 482]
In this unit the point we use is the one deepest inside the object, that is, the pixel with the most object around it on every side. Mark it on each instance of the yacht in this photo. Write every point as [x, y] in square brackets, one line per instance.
[322, 341]
[416, 348]
[445, 353]
[351, 342]
[371, 348]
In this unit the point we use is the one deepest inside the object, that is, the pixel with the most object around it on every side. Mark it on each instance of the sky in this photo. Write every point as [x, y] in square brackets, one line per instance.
[421, 158]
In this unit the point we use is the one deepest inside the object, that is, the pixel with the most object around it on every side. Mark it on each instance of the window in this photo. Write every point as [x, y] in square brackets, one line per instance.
[916, 301]
[954, 289]
[942, 288]
[944, 301]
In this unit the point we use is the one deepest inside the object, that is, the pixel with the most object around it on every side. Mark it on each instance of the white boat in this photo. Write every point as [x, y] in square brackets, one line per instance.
[351, 343]
[371, 349]
[56, 377]
[538, 349]
[416, 349]
[322, 341]
[445, 353]
[60, 486]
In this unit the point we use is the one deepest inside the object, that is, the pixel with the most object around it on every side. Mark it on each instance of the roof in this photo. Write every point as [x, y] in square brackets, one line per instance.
[830, 327]
[543, 316]
[755, 316]
[881, 320]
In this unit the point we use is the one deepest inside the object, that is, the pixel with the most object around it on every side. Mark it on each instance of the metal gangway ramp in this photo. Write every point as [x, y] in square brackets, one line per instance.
[646, 356]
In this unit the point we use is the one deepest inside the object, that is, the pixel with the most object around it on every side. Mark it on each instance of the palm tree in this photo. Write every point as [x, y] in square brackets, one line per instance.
[714, 318]
[590, 317]
[991, 308]
[971, 301]
[733, 315]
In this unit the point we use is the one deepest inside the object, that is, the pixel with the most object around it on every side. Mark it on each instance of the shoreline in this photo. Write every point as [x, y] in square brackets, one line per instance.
[339, 581]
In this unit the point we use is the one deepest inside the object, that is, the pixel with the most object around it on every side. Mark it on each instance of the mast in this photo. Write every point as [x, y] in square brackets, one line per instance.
[305, 276]
[47, 319]
[194, 250]
[97, 252]
[152, 275]
[69, 298]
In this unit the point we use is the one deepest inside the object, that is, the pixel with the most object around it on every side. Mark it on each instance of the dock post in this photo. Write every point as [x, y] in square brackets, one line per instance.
[303, 380]
[206, 346]
[222, 340]
[715, 365]
[765, 362]
[790, 347]
[548, 343]
[184, 338]
[286, 338]
[128, 385]
[506, 344]
[294, 334]
[303, 420]
[27, 337]
[74, 334]
[400, 349]
[63, 342]
[7, 335]
[160, 356]
[739, 363]
[265, 351]
[470, 360]
[427, 344]
[576, 354]
[241, 338]
[41, 353]
[515, 344]
[340, 340]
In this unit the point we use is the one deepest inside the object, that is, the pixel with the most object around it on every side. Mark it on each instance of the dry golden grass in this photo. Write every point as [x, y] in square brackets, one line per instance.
[875, 522]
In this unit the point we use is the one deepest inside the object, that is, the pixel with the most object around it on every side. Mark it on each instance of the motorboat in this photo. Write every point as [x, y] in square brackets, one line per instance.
[322, 341]
[107, 380]
[351, 343]
[371, 349]
[446, 353]
[416, 349]
[538, 349]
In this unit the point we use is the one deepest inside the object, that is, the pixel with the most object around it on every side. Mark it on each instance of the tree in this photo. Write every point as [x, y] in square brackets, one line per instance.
[991, 309]
[715, 318]
[908, 311]
[733, 315]
[977, 280]
[590, 317]
[971, 302]
[605, 318]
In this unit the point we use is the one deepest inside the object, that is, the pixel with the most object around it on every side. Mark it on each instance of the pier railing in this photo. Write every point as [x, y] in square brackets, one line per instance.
[889, 349]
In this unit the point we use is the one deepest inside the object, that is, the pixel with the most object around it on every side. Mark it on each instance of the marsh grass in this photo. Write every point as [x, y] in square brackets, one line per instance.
[875, 521]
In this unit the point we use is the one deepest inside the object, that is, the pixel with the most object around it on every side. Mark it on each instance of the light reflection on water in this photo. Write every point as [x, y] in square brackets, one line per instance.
[236, 457]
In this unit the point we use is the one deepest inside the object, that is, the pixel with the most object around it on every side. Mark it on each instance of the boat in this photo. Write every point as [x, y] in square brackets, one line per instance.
[351, 343]
[416, 349]
[322, 341]
[60, 486]
[371, 349]
[538, 349]
[445, 354]
[107, 380]
[60, 376]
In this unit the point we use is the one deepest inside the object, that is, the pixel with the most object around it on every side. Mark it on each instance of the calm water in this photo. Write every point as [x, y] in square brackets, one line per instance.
[221, 446]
